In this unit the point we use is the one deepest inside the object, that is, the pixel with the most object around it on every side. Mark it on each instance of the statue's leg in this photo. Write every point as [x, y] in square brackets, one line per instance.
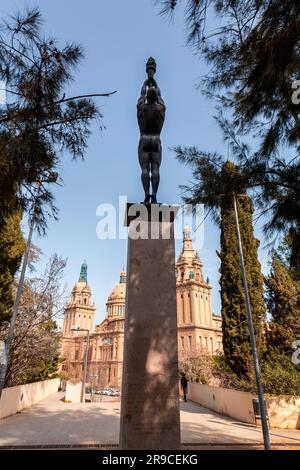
[155, 164]
[145, 166]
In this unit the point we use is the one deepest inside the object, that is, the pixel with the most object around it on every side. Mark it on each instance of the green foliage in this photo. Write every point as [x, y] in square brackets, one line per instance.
[35, 353]
[214, 185]
[39, 120]
[281, 377]
[12, 246]
[43, 370]
[289, 253]
[36, 124]
[283, 303]
[236, 340]
[253, 58]
[42, 363]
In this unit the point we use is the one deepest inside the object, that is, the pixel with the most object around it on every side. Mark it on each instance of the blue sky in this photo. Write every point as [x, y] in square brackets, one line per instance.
[118, 37]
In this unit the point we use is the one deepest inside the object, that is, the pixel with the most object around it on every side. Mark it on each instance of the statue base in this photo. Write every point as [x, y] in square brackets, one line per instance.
[150, 401]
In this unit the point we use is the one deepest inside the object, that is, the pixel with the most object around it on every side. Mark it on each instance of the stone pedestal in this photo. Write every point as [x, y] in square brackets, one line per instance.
[150, 402]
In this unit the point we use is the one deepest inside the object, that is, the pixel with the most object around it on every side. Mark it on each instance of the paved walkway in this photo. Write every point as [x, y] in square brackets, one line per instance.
[52, 422]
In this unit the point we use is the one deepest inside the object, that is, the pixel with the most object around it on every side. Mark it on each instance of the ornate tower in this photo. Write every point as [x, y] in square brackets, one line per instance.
[79, 312]
[197, 326]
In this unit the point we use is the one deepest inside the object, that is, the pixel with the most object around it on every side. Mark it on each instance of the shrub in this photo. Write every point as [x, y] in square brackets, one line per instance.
[279, 377]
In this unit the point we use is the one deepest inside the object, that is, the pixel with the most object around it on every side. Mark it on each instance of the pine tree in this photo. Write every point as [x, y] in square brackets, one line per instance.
[283, 304]
[38, 121]
[236, 341]
[253, 61]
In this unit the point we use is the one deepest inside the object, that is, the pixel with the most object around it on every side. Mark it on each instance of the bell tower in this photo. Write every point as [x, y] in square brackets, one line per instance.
[196, 322]
[79, 312]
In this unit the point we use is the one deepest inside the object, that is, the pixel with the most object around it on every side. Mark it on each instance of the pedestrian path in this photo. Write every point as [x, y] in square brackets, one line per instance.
[54, 423]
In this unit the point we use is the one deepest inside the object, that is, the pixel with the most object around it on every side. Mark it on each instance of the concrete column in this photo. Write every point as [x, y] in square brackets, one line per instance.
[150, 402]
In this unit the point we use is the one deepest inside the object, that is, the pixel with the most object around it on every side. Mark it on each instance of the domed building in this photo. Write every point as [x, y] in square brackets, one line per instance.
[198, 327]
[106, 342]
[106, 359]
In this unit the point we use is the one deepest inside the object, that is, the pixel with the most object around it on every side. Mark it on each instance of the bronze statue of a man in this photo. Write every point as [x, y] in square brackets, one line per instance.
[151, 115]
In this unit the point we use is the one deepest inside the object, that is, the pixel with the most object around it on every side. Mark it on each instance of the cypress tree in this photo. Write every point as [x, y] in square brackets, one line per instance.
[12, 246]
[283, 304]
[236, 340]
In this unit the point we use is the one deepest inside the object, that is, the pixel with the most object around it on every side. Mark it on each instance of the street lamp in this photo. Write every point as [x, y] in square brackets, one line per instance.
[93, 387]
[260, 391]
[51, 178]
[86, 353]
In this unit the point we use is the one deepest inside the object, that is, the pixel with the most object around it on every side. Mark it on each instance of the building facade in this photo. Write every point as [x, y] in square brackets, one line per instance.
[105, 343]
[198, 328]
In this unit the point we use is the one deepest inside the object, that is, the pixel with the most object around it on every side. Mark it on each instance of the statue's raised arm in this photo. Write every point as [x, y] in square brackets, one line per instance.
[142, 98]
[151, 115]
[159, 97]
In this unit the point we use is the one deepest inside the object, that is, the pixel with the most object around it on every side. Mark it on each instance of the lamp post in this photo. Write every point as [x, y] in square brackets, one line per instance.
[93, 387]
[85, 362]
[52, 178]
[259, 385]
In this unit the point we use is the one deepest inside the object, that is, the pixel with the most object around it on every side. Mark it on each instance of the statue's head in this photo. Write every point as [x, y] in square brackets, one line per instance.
[151, 94]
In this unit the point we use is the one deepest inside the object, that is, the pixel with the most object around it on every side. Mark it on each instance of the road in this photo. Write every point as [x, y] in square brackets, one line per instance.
[53, 423]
